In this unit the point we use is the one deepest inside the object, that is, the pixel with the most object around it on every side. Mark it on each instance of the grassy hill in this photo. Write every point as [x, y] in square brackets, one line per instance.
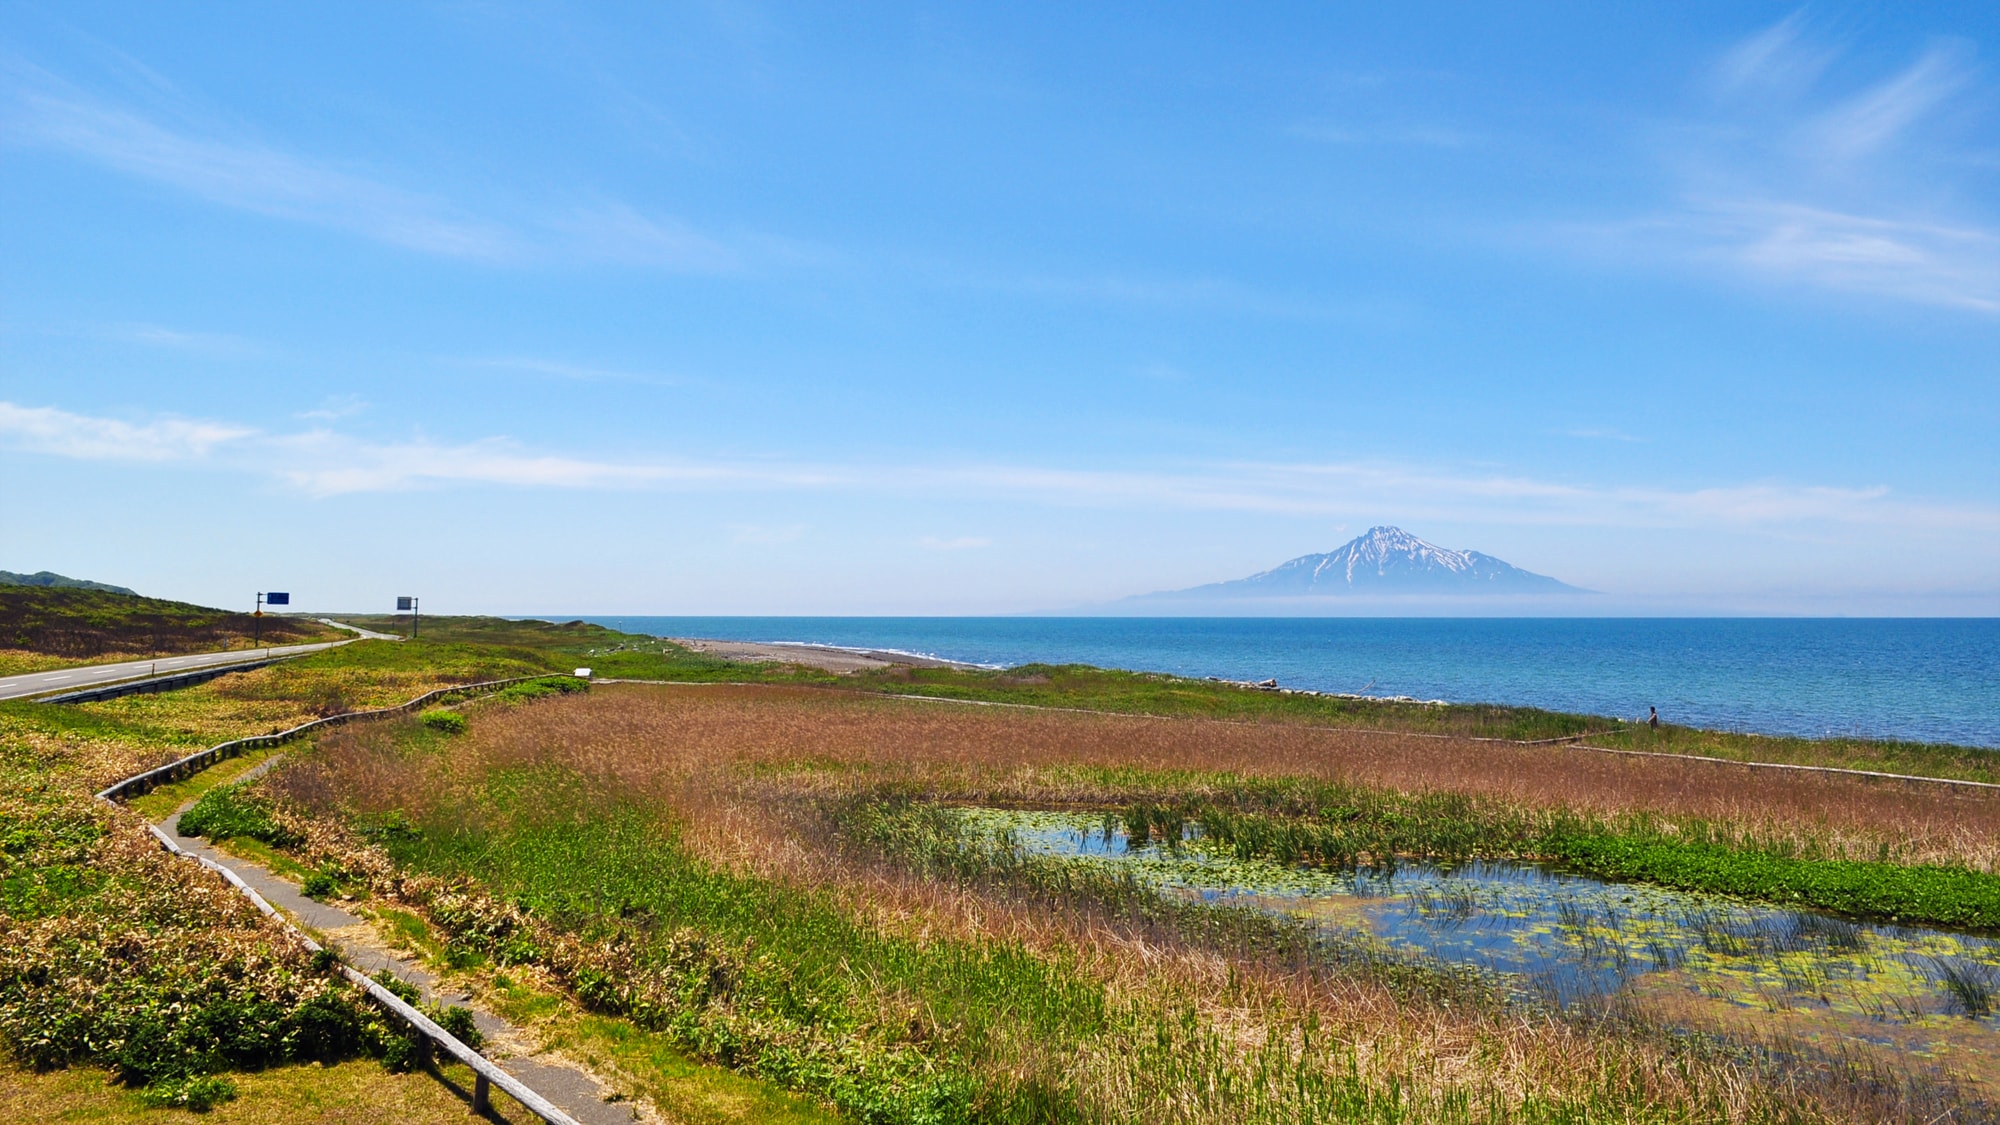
[65, 624]
[51, 578]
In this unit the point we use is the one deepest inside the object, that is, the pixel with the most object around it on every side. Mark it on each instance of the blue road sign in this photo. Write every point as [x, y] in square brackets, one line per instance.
[402, 603]
[277, 599]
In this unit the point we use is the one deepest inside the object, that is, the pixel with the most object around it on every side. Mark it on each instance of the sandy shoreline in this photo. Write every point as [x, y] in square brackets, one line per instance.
[824, 657]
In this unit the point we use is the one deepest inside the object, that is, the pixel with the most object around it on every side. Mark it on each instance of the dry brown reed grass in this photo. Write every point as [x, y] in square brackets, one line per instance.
[649, 740]
[1510, 1056]
[732, 764]
[747, 825]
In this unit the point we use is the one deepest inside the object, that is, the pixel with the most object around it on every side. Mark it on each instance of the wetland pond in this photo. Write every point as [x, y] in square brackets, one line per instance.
[1691, 959]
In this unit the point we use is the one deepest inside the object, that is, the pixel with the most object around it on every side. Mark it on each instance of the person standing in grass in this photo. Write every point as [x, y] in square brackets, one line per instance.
[1653, 717]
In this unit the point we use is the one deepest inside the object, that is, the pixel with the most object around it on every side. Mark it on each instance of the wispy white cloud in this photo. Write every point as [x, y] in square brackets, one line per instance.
[618, 233]
[1876, 117]
[1788, 178]
[322, 462]
[1775, 61]
[228, 166]
[242, 173]
[1913, 260]
[333, 408]
[58, 433]
[221, 345]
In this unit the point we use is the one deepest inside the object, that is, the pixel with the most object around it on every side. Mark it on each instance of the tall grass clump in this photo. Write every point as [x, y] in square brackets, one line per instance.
[228, 811]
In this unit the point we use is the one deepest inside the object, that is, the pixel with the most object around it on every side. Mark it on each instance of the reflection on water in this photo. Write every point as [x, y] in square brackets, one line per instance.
[1567, 938]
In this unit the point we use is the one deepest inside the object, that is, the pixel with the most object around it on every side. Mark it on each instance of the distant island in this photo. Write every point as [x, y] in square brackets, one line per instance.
[1386, 561]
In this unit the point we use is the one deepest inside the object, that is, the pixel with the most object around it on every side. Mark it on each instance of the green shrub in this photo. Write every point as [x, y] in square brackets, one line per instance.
[320, 885]
[230, 810]
[443, 722]
[199, 1093]
[397, 986]
[538, 689]
[458, 1021]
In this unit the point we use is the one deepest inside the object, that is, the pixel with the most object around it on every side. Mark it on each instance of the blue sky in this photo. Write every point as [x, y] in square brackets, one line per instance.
[735, 308]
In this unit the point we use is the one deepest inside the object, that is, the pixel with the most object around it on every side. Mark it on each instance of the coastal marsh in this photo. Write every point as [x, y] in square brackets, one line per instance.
[1562, 938]
[728, 866]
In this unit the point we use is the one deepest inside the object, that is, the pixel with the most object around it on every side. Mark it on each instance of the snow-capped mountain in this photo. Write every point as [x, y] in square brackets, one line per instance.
[1386, 560]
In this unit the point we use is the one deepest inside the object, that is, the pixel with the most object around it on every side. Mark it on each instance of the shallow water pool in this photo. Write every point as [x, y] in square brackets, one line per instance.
[1568, 938]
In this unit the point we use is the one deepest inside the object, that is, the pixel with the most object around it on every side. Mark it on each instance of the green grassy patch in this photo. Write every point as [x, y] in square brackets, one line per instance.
[775, 981]
[160, 803]
[686, 1090]
[356, 1093]
[1938, 896]
[1921, 759]
[229, 811]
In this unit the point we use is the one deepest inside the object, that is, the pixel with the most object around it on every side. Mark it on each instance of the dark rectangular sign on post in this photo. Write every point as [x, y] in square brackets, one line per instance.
[277, 599]
[402, 603]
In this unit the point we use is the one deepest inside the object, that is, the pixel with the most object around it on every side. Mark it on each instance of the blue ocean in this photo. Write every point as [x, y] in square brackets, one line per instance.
[1928, 680]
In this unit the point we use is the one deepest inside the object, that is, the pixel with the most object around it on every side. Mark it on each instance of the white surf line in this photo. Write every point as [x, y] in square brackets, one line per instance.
[486, 1070]
[1567, 742]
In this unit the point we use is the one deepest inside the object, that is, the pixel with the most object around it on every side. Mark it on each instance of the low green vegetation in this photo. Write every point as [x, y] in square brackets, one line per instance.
[1148, 693]
[1938, 896]
[227, 811]
[775, 981]
[1921, 759]
[1341, 826]
[117, 956]
[351, 1093]
[443, 721]
[51, 578]
[81, 624]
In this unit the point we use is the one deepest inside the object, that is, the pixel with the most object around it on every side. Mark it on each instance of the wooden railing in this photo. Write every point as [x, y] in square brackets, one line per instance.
[487, 1074]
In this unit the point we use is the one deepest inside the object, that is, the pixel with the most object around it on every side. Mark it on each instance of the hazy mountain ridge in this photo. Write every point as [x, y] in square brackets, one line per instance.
[1383, 561]
[52, 579]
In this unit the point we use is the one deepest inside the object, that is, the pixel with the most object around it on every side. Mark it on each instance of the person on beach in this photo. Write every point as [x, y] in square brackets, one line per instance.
[1653, 717]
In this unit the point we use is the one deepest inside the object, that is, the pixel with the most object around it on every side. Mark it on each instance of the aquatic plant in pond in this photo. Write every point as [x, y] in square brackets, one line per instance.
[1562, 937]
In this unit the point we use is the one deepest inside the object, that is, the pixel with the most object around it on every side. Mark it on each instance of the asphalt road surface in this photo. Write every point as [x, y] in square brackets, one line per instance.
[36, 683]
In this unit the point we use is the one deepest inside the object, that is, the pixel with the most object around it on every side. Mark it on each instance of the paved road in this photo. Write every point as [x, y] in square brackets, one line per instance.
[366, 634]
[35, 683]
